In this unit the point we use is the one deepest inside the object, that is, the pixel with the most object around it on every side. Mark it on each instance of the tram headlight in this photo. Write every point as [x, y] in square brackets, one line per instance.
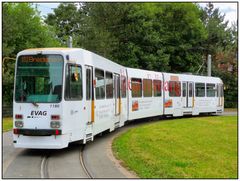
[18, 124]
[55, 124]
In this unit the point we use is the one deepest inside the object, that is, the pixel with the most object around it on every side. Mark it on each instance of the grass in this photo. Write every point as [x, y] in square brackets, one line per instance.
[200, 147]
[7, 124]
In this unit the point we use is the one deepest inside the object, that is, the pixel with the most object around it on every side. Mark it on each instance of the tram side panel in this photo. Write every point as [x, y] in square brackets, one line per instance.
[207, 95]
[144, 93]
[76, 108]
[172, 102]
[109, 110]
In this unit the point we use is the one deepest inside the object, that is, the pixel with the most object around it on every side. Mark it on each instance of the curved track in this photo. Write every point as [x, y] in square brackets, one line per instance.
[66, 163]
[81, 159]
[49, 158]
[43, 169]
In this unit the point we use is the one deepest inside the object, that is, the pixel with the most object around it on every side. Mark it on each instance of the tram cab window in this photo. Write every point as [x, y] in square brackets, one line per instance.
[39, 78]
[174, 88]
[200, 89]
[109, 85]
[136, 85]
[73, 88]
[100, 84]
[211, 91]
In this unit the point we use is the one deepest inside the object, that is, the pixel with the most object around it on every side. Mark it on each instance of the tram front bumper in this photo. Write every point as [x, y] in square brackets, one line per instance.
[41, 142]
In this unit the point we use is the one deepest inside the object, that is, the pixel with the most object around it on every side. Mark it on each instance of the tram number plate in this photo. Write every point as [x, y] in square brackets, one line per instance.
[54, 105]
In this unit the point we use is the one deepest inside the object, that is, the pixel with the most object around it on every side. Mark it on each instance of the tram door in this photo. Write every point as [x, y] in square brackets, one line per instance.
[117, 99]
[89, 94]
[187, 94]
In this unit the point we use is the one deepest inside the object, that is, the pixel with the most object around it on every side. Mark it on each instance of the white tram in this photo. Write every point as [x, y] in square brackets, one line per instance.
[63, 95]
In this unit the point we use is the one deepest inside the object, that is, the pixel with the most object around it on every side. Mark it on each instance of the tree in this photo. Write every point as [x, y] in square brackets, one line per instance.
[20, 33]
[221, 43]
[146, 35]
[168, 33]
[66, 20]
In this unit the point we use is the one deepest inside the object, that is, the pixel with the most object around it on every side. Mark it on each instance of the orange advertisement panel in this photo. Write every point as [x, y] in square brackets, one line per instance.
[134, 105]
[168, 103]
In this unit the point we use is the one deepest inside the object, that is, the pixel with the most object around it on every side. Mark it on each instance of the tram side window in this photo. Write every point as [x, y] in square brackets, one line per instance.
[220, 90]
[73, 89]
[157, 88]
[100, 84]
[136, 85]
[147, 88]
[88, 84]
[211, 91]
[109, 85]
[200, 89]
[184, 89]
[123, 86]
[174, 88]
[190, 91]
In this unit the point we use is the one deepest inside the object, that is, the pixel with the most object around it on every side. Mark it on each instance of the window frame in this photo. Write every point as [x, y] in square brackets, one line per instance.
[190, 89]
[15, 79]
[197, 89]
[106, 95]
[65, 86]
[123, 88]
[184, 89]
[88, 92]
[140, 87]
[173, 90]
[154, 89]
[214, 89]
[144, 91]
[101, 98]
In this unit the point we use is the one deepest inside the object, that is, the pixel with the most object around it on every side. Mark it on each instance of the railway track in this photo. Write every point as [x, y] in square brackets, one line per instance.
[44, 173]
[44, 168]
[81, 159]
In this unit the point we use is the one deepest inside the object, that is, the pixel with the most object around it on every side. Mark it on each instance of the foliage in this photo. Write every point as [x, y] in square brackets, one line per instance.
[138, 34]
[174, 37]
[203, 147]
[221, 43]
[20, 33]
[66, 20]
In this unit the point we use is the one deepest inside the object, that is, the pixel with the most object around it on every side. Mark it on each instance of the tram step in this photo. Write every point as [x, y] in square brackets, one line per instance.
[117, 124]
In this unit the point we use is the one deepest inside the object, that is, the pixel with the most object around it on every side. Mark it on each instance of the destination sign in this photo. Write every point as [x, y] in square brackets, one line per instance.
[39, 59]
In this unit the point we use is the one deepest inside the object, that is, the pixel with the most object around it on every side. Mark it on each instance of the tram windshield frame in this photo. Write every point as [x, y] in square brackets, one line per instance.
[39, 78]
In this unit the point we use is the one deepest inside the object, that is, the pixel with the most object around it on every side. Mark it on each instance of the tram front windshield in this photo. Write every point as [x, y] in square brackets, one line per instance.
[39, 79]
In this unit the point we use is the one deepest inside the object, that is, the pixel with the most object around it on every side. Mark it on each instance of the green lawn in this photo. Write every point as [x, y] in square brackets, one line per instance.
[200, 147]
[7, 124]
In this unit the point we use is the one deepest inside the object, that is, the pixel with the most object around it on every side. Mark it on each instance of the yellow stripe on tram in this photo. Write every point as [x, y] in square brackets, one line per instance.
[119, 105]
[92, 114]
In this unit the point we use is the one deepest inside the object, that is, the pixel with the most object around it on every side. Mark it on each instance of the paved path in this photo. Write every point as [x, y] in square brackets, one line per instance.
[64, 163]
[230, 113]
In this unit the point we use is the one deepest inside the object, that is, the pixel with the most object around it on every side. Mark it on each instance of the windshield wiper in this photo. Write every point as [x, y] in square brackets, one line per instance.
[35, 104]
